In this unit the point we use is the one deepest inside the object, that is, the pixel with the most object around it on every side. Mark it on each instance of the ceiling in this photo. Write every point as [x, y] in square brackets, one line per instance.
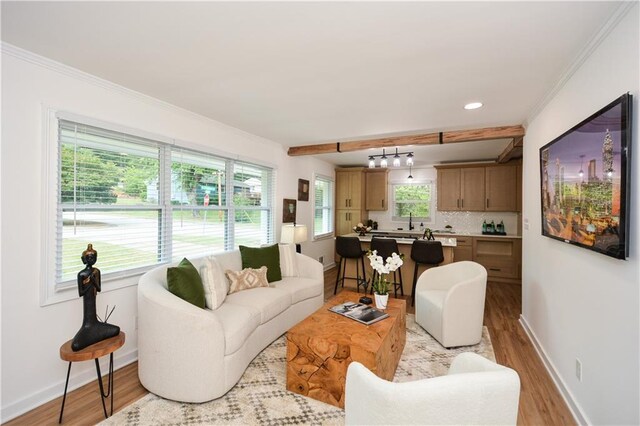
[300, 73]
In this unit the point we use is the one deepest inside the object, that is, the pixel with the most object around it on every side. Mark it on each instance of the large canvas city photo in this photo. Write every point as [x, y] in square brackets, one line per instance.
[584, 181]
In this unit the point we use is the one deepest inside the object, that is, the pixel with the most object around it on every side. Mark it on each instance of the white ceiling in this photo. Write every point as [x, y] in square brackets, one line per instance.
[309, 72]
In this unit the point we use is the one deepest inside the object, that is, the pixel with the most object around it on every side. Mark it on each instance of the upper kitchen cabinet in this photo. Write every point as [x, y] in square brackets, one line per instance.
[376, 189]
[501, 193]
[461, 189]
[478, 187]
[350, 188]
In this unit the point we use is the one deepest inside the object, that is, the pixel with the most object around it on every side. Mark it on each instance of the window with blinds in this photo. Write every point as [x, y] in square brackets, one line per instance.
[141, 202]
[323, 211]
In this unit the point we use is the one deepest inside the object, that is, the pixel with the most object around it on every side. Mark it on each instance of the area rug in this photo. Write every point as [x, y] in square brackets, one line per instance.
[261, 398]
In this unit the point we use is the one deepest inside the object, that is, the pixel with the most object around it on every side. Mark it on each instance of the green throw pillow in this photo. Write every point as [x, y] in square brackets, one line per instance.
[184, 281]
[255, 257]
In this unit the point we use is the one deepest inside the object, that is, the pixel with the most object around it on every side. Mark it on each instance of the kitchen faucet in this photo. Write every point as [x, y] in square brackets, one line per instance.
[410, 222]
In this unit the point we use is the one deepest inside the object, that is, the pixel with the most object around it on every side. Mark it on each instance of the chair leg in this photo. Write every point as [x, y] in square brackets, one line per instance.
[364, 275]
[395, 286]
[335, 290]
[413, 287]
[400, 275]
[344, 271]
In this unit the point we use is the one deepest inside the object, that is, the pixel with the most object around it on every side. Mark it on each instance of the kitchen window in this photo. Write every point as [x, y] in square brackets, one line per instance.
[323, 209]
[415, 200]
[142, 202]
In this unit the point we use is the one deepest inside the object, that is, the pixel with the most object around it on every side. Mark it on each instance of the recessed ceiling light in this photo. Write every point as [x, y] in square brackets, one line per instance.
[473, 105]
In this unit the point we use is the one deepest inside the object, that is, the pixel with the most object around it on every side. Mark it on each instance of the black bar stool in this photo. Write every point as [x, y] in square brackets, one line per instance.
[424, 252]
[385, 247]
[350, 248]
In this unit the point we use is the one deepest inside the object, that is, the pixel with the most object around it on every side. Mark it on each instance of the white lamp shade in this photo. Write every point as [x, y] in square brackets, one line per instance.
[293, 234]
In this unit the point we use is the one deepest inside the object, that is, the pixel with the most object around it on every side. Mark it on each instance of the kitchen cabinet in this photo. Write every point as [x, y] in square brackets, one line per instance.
[349, 188]
[461, 189]
[346, 219]
[376, 190]
[478, 187]
[350, 202]
[463, 249]
[500, 187]
[500, 256]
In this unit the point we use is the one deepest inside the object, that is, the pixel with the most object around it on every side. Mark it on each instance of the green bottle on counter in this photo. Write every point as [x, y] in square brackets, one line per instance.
[484, 226]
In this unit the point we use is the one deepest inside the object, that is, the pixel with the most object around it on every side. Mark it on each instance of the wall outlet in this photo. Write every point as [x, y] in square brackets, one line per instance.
[321, 259]
[579, 369]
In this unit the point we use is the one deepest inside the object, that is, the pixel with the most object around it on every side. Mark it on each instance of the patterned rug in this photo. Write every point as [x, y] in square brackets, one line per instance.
[261, 398]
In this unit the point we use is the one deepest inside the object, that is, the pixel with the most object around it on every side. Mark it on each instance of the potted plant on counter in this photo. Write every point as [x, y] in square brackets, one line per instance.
[383, 267]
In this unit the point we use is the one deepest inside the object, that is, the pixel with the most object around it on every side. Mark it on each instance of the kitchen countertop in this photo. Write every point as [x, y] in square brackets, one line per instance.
[448, 241]
[416, 233]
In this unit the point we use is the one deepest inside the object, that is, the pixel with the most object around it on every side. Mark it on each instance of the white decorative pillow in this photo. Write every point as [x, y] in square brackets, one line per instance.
[247, 278]
[288, 263]
[214, 283]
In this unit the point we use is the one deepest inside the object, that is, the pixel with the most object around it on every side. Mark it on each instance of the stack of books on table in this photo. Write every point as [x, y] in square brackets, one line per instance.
[359, 312]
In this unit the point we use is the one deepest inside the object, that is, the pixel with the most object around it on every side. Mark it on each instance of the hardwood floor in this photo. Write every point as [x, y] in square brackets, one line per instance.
[540, 402]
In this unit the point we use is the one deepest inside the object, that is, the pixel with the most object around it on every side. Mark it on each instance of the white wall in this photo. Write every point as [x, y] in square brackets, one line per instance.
[578, 303]
[32, 372]
[462, 222]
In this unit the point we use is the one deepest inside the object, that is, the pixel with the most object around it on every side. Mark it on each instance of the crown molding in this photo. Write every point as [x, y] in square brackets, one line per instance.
[50, 64]
[581, 58]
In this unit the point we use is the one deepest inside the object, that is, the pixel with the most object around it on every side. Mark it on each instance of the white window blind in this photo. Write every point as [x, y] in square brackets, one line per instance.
[253, 189]
[106, 198]
[323, 207]
[199, 204]
[141, 202]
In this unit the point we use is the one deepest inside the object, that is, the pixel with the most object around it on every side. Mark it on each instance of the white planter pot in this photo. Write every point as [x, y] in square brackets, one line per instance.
[381, 301]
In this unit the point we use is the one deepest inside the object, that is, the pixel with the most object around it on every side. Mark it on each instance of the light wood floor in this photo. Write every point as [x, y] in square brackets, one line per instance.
[540, 402]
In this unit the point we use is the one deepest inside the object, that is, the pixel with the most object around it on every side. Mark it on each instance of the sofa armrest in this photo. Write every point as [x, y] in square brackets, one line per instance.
[180, 346]
[309, 268]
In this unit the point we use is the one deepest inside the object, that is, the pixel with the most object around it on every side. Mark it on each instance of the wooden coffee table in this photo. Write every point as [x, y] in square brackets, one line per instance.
[321, 347]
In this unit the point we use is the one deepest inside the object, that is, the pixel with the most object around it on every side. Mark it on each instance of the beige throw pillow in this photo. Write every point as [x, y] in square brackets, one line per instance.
[288, 264]
[214, 282]
[247, 278]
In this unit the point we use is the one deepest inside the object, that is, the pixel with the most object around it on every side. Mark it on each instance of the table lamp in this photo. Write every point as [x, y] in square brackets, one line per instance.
[294, 234]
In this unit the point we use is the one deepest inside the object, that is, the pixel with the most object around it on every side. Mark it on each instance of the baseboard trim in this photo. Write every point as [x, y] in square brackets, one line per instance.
[56, 390]
[576, 411]
[329, 266]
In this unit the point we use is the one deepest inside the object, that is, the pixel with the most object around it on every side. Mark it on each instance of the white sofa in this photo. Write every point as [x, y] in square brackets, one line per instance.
[450, 302]
[476, 391]
[194, 355]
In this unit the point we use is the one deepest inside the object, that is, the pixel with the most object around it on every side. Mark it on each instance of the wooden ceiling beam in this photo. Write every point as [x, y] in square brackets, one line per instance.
[483, 134]
[513, 150]
[516, 132]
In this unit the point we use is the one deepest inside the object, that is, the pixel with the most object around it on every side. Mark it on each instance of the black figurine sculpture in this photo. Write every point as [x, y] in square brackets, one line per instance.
[92, 330]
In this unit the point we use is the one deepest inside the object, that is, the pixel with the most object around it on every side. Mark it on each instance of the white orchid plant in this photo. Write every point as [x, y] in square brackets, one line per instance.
[383, 267]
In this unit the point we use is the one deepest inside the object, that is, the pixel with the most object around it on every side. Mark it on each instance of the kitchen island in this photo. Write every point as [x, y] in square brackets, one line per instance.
[405, 240]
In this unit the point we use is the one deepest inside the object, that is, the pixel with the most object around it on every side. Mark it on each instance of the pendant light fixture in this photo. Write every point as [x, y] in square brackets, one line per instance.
[410, 177]
[397, 160]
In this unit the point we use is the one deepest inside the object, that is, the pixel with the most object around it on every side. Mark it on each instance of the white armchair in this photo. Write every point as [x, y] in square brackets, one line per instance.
[475, 391]
[450, 303]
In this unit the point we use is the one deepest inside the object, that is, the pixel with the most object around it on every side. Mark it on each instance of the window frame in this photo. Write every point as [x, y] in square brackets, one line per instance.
[330, 209]
[52, 291]
[432, 201]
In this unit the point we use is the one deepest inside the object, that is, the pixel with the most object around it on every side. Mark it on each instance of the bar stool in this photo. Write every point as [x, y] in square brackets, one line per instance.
[350, 248]
[385, 247]
[424, 252]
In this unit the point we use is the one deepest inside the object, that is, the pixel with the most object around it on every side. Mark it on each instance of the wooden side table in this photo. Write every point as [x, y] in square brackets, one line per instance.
[95, 351]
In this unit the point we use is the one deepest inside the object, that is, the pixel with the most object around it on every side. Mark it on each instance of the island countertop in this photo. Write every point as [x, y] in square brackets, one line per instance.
[409, 239]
